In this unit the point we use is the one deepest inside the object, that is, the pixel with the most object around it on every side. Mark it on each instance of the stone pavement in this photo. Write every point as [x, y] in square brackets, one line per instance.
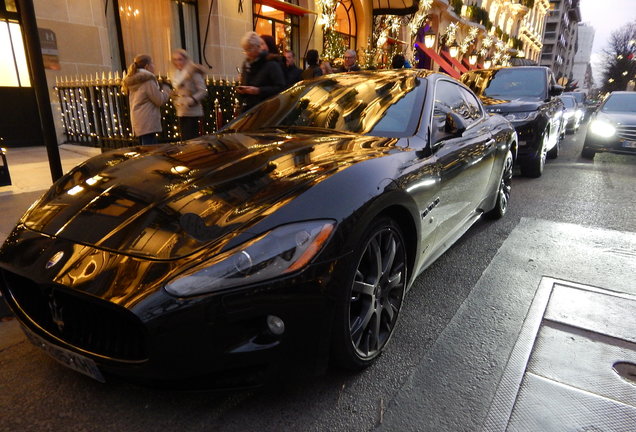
[31, 176]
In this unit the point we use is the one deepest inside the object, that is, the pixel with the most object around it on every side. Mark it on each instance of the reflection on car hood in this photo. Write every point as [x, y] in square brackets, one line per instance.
[622, 118]
[166, 202]
[500, 104]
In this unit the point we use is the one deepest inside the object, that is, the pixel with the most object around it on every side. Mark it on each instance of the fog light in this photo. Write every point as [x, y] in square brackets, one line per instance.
[275, 325]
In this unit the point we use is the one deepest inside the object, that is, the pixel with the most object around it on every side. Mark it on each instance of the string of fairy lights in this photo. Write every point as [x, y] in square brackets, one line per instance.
[95, 111]
[377, 53]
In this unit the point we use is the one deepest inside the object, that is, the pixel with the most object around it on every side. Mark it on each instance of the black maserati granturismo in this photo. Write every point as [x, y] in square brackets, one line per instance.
[292, 235]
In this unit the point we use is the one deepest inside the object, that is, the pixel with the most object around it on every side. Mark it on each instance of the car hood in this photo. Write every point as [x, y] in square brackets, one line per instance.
[166, 202]
[503, 105]
[622, 118]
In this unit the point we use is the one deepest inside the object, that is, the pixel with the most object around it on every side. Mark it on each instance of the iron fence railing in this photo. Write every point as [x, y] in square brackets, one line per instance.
[95, 112]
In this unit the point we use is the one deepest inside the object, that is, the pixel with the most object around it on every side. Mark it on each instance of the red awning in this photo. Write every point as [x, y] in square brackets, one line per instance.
[443, 64]
[453, 61]
[286, 7]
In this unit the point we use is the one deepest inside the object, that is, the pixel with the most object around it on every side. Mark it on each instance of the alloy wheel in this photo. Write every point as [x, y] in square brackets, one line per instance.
[377, 293]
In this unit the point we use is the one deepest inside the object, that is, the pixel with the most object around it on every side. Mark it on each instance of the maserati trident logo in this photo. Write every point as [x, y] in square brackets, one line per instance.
[54, 260]
[56, 312]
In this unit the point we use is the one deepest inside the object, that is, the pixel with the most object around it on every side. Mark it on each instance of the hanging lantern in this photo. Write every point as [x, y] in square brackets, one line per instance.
[453, 50]
[487, 63]
[472, 58]
[429, 38]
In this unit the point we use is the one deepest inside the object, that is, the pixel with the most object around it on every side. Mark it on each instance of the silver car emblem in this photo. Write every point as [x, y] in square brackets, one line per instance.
[56, 313]
[54, 260]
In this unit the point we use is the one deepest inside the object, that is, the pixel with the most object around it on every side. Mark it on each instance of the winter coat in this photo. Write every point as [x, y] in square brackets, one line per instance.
[311, 72]
[145, 97]
[190, 92]
[353, 68]
[265, 74]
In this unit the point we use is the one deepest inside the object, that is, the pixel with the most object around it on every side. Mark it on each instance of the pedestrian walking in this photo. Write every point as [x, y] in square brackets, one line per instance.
[313, 69]
[189, 91]
[260, 77]
[291, 71]
[350, 62]
[145, 97]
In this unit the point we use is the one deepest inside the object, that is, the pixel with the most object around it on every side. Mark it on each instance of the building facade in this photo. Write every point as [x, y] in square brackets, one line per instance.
[95, 39]
[582, 70]
[560, 38]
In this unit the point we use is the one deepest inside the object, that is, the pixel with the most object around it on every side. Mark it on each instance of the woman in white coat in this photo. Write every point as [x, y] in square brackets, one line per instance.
[188, 82]
[145, 98]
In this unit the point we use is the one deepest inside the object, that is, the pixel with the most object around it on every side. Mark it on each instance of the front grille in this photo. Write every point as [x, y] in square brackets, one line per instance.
[626, 132]
[81, 321]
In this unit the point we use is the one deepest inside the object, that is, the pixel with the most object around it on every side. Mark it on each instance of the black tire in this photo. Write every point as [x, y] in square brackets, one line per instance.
[368, 304]
[587, 153]
[534, 167]
[503, 192]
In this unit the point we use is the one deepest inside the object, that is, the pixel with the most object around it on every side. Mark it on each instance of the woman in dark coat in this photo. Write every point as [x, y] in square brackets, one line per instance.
[261, 77]
[313, 68]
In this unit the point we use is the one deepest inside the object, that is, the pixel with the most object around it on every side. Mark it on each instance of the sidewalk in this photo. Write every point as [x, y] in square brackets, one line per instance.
[31, 176]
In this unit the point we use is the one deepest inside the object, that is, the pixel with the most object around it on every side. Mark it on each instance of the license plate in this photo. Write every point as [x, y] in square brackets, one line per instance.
[68, 358]
[629, 144]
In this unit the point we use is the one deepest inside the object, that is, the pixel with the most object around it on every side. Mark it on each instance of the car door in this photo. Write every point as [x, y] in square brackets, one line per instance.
[464, 160]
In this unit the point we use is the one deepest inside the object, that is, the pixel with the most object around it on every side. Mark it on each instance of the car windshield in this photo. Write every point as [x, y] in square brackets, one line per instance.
[620, 102]
[387, 105]
[569, 102]
[508, 83]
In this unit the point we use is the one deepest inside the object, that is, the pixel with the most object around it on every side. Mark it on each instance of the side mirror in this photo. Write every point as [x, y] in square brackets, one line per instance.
[455, 124]
[556, 90]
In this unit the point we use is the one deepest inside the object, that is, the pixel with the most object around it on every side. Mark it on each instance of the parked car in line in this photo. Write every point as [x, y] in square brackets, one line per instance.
[581, 101]
[612, 127]
[572, 114]
[527, 96]
[291, 235]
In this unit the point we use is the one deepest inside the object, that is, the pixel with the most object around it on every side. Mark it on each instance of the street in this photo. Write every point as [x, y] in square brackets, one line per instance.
[37, 394]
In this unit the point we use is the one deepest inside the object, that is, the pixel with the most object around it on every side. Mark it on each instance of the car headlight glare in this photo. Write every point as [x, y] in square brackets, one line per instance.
[522, 116]
[281, 251]
[568, 114]
[602, 128]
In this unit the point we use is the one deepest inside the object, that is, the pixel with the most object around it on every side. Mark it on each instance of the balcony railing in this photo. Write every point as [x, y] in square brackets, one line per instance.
[95, 112]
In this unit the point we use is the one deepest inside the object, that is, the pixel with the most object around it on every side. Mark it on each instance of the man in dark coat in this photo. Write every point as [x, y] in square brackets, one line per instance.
[260, 77]
[291, 71]
[350, 64]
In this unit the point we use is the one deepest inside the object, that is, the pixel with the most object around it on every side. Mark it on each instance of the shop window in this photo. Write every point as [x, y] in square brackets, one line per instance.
[158, 27]
[345, 24]
[283, 26]
[14, 71]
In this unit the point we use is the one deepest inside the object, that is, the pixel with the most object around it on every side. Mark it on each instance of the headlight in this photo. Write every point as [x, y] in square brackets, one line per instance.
[602, 128]
[522, 116]
[280, 251]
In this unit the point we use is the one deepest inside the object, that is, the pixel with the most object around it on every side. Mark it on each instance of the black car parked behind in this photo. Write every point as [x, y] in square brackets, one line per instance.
[526, 96]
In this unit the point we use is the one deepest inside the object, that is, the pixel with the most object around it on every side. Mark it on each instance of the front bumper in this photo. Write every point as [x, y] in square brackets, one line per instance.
[530, 136]
[613, 144]
[218, 340]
